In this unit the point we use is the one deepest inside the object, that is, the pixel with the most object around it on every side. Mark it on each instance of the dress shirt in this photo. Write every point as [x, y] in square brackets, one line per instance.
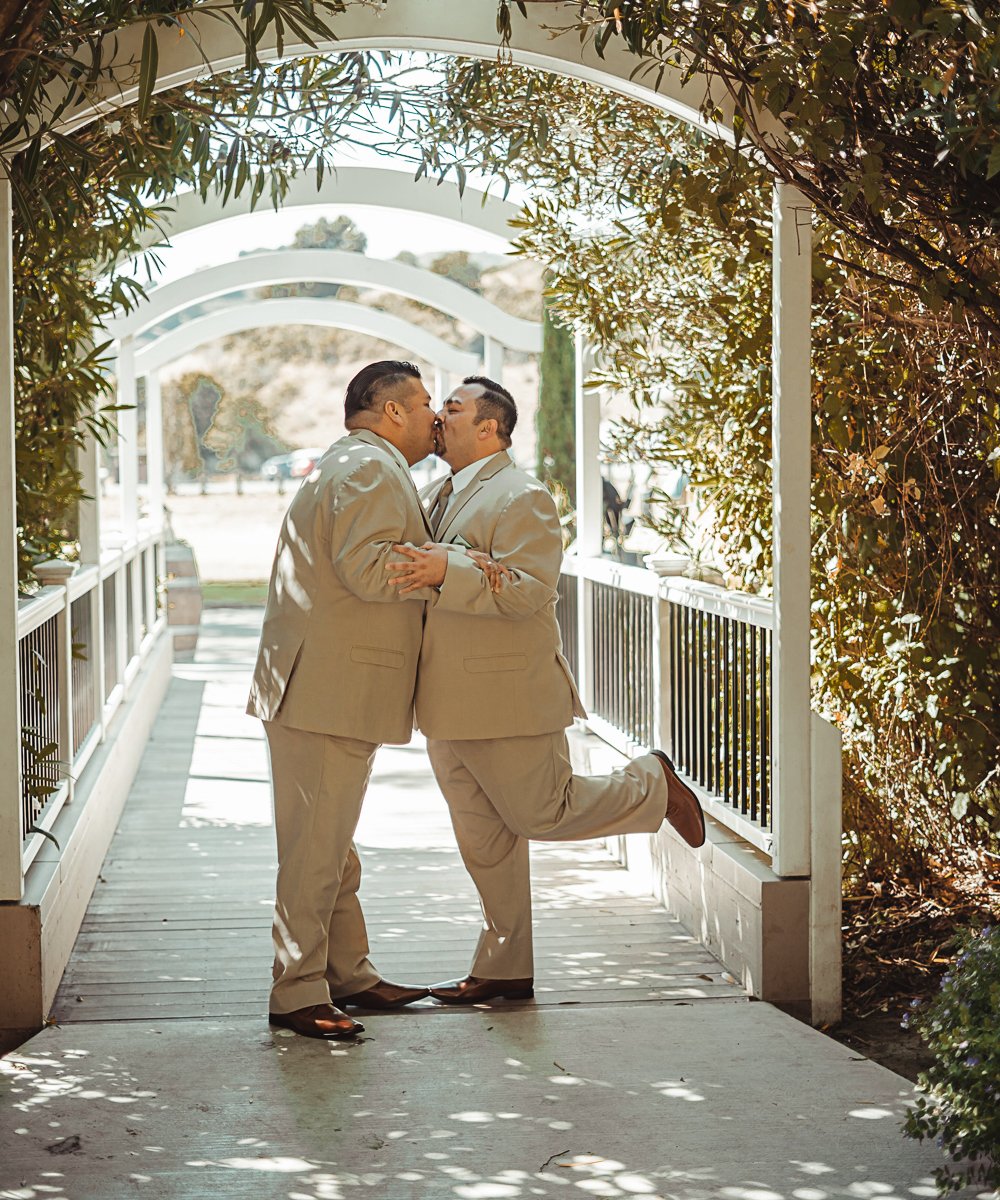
[461, 479]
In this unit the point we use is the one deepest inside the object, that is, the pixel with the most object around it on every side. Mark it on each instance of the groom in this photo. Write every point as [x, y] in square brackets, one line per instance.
[494, 693]
[335, 678]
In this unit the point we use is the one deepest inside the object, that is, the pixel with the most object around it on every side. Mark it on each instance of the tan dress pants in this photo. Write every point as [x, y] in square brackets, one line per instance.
[320, 940]
[501, 792]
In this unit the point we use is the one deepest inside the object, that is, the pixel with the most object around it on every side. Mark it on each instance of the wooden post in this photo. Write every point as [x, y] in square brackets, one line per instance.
[442, 386]
[589, 511]
[128, 441]
[493, 360]
[89, 509]
[792, 469]
[154, 450]
[11, 833]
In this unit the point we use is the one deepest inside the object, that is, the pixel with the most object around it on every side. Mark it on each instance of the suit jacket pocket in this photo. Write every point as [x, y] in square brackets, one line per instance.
[497, 662]
[377, 657]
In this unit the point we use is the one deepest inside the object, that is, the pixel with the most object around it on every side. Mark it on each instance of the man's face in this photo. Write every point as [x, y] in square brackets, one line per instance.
[414, 402]
[457, 438]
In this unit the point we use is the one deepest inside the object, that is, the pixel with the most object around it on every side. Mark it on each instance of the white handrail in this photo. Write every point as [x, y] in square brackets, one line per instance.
[36, 610]
[710, 598]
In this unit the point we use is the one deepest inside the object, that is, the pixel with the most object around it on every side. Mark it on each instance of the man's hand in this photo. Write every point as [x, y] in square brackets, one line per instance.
[495, 572]
[428, 565]
[425, 567]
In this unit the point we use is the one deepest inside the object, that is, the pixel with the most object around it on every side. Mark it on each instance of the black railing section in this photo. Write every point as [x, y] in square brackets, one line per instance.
[110, 636]
[622, 632]
[86, 701]
[41, 769]
[721, 708]
[566, 615]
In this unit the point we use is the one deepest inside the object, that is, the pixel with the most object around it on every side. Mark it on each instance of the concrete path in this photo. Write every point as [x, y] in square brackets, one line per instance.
[641, 1070]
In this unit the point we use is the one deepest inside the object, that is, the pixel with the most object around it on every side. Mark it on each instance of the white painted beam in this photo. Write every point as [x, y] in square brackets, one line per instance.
[330, 266]
[363, 187]
[11, 833]
[791, 478]
[466, 29]
[334, 314]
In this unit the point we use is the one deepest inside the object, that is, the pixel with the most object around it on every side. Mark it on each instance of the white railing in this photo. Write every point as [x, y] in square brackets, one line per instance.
[81, 641]
[682, 666]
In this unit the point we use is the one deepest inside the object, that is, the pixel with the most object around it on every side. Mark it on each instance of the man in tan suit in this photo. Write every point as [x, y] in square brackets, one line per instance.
[494, 693]
[334, 678]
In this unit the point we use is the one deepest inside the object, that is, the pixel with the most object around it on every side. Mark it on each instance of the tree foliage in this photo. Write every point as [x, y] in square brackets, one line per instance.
[657, 240]
[884, 112]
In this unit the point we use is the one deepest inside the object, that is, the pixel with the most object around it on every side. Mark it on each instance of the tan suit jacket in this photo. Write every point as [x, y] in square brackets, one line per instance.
[339, 648]
[491, 665]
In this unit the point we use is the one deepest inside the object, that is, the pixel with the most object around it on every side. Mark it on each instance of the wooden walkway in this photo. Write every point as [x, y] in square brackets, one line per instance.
[179, 925]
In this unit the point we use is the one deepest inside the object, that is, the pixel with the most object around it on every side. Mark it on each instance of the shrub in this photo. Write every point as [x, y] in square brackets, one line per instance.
[960, 1106]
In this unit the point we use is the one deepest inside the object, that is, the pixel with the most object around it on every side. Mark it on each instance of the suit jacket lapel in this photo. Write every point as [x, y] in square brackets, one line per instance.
[497, 464]
[372, 439]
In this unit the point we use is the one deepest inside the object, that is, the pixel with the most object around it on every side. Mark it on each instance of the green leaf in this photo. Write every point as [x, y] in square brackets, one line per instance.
[147, 70]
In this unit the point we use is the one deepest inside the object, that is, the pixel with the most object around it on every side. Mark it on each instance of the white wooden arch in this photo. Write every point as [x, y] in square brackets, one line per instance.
[296, 310]
[331, 266]
[469, 29]
[375, 187]
[462, 29]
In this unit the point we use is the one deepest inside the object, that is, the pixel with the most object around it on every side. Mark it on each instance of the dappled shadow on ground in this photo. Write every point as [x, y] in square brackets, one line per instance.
[709, 1101]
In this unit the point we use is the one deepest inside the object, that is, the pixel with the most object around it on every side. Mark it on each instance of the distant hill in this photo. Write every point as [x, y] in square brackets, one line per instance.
[293, 378]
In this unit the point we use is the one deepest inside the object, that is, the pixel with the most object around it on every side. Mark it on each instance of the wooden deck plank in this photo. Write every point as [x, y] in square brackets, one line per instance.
[179, 924]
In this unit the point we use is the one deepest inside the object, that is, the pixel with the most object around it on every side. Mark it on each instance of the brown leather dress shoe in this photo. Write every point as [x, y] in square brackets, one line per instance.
[318, 1021]
[384, 995]
[683, 810]
[474, 991]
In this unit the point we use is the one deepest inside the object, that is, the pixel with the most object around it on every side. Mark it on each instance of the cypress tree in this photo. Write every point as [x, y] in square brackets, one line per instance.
[556, 420]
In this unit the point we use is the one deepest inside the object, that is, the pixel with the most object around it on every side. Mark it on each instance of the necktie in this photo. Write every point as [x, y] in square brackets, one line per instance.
[436, 516]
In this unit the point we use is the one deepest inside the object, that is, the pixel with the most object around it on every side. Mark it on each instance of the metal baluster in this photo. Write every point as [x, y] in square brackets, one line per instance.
[753, 694]
[675, 659]
[765, 753]
[743, 719]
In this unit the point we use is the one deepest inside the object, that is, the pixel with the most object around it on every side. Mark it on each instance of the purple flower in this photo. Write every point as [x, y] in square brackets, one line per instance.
[972, 1060]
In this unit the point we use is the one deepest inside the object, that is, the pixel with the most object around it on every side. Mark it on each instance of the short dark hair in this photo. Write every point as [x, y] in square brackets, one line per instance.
[367, 386]
[495, 404]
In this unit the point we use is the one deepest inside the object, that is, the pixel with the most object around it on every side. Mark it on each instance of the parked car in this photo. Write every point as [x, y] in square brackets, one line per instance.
[294, 465]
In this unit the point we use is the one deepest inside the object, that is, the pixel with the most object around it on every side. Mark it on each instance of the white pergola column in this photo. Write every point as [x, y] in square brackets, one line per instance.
[442, 386]
[89, 508]
[154, 449]
[128, 440]
[792, 470]
[589, 511]
[493, 360]
[11, 873]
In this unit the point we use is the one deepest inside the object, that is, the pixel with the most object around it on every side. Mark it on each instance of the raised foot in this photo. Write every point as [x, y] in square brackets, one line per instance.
[683, 810]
